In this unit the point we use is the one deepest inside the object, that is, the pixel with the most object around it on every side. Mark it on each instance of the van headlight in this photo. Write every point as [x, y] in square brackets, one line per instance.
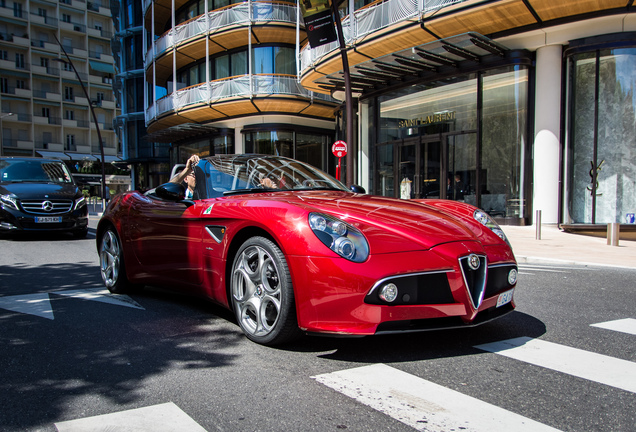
[340, 237]
[10, 201]
[79, 203]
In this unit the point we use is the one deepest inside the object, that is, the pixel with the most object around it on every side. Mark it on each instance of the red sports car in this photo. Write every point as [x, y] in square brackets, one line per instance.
[290, 250]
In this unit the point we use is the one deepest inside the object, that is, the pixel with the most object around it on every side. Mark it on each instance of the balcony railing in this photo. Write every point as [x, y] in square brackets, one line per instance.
[371, 19]
[241, 13]
[239, 87]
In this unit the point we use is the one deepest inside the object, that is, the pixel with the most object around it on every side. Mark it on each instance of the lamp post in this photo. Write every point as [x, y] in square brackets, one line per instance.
[2, 133]
[90, 105]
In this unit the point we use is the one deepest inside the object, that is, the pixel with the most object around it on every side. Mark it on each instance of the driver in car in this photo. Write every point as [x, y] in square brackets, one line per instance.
[187, 176]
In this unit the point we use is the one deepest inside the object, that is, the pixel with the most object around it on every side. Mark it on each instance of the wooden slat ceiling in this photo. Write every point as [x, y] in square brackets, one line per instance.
[486, 18]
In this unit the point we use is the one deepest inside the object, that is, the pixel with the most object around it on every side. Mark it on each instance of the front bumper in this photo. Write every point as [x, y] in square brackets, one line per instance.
[12, 220]
[336, 296]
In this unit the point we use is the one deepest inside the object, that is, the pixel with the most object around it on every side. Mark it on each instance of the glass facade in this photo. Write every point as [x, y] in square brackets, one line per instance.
[306, 146]
[601, 144]
[463, 138]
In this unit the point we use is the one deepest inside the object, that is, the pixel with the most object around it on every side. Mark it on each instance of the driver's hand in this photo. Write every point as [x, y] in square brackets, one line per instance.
[194, 159]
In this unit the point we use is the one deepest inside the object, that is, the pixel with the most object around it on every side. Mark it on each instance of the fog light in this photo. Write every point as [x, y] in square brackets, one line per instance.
[512, 277]
[389, 293]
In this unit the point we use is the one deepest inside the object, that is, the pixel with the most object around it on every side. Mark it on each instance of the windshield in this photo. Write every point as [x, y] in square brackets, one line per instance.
[34, 171]
[229, 174]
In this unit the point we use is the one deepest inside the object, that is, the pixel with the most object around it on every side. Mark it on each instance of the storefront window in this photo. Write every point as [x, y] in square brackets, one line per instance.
[602, 149]
[433, 130]
[504, 117]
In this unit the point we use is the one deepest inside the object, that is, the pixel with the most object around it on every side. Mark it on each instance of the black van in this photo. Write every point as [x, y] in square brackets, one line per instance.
[40, 195]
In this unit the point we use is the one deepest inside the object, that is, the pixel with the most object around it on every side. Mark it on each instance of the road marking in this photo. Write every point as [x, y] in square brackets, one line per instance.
[422, 404]
[40, 304]
[101, 295]
[572, 361]
[165, 417]
[627, 325]
[32, 304]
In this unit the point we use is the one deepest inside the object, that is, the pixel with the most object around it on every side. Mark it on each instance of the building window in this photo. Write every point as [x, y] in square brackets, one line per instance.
[428, 145]
[21, 84]
[19, 61]
[600, 163]
[46, 112]
[44, 62]
[69, 115]
[68, 93]
[4, 55]
[100, 97]
[4, 85]
[66, 18]
[70, 143]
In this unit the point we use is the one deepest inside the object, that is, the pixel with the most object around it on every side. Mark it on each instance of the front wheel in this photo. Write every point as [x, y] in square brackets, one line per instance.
[262, 294]
[111, 258]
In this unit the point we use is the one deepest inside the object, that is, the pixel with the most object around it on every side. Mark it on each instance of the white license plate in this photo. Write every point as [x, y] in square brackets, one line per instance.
[48, 219]
[504, 298]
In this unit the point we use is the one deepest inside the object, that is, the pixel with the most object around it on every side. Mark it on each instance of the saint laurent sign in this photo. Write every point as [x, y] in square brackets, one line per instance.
[429, 119]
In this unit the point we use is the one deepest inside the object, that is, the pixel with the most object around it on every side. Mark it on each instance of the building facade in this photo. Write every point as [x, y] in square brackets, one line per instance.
[149, 161]
[512, 105]
[221, 77]
[50, 52]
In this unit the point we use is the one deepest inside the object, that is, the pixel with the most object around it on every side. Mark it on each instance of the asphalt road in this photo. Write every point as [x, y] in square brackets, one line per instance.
[69, 353]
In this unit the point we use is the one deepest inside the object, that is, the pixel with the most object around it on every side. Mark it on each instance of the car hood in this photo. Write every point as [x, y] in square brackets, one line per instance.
[415, 221]
[40, 190]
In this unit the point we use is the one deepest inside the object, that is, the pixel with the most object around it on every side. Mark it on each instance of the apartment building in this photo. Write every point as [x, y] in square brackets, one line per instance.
[45, 110]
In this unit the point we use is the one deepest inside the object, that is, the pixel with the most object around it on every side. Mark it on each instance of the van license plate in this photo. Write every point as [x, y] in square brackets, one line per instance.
[48, 219]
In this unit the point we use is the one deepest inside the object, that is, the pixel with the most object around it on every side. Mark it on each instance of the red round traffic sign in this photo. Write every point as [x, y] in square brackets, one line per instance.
[339, 149]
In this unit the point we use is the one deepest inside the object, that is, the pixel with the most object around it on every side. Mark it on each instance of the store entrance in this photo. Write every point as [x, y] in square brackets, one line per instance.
[438, 166]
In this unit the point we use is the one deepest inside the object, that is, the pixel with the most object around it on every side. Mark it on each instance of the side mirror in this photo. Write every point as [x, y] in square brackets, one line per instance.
[357, 189]
[171, 191]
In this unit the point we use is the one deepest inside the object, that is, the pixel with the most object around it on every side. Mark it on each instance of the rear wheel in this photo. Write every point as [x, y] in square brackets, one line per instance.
[111, 258]
[262, 294]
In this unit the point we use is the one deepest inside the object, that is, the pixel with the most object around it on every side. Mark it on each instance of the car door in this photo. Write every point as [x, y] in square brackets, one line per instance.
[166, 238]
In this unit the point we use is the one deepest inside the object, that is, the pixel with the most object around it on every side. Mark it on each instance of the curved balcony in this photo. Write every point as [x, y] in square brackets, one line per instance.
[394, 25]
[238, 96]
[227, 28]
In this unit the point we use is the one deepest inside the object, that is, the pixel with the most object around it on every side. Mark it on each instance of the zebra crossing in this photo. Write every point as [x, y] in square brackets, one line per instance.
[426, 406]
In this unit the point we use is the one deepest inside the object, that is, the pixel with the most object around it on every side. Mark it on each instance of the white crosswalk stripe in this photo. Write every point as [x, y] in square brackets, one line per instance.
[573, 361]
[424, 405]
[627, 325]
[165, 417]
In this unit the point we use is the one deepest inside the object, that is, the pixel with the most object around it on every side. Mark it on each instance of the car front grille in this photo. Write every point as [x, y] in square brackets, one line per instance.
[474, 277]
[47, 207]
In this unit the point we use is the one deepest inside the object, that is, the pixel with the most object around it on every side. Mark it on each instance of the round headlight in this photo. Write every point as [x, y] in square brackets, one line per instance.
[317, 222]
[389, 293]
[339, 228]
[345, 247]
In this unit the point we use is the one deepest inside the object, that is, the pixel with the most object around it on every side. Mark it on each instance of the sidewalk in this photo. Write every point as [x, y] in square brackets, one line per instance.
[558, 247]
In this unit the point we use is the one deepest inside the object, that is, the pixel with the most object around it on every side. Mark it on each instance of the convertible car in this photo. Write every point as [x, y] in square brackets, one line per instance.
[290, 250]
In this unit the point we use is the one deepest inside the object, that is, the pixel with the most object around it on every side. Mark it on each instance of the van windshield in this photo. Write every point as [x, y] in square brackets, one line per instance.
[15, 171]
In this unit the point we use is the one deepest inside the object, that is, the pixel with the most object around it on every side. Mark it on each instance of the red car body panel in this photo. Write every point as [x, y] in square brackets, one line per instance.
[168, 243]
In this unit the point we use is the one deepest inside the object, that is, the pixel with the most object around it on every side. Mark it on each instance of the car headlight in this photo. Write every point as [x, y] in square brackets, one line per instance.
[484, 218]
[10, 201]
[79, 203]
[340, 237]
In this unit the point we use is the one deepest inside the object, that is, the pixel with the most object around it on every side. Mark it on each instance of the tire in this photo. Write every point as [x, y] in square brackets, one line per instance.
[112, 267]
[262, 293]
